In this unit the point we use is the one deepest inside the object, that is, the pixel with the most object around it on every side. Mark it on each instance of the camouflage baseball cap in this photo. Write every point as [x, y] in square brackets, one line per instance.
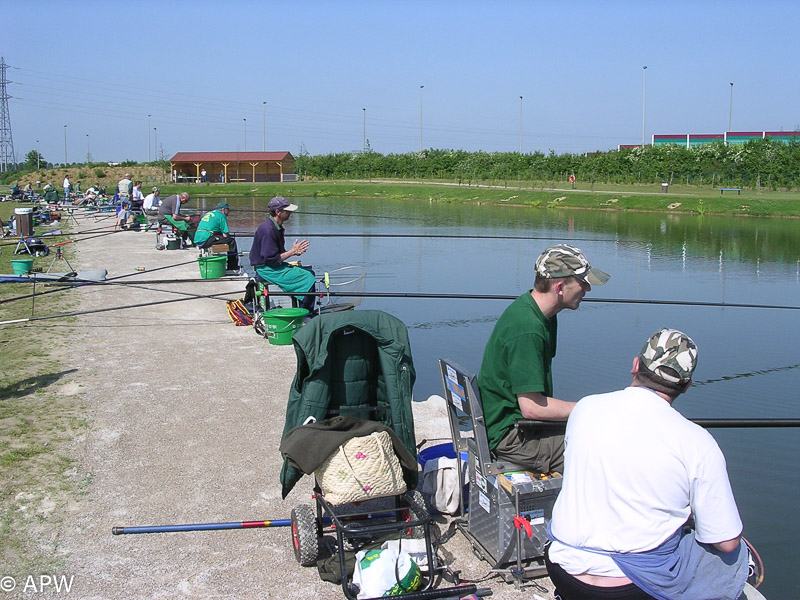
[564, 260]
[670, 355]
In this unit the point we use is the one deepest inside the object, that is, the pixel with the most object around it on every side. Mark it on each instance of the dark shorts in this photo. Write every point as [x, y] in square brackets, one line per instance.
[568, 587]
[536, 450]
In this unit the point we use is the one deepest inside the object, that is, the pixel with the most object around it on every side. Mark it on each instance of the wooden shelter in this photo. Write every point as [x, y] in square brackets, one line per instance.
[232, 167]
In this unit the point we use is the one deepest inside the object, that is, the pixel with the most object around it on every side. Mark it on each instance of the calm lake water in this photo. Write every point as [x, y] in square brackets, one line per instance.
[749, 364]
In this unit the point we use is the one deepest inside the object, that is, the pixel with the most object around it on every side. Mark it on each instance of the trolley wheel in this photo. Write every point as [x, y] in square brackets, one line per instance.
[304, 535]
[258, 325]
[417, 532]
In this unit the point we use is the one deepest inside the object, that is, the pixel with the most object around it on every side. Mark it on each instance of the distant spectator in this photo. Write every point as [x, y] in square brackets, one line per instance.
[125, 187]
[203, 175]
[150, 207]
[137, 198]
[66, 187]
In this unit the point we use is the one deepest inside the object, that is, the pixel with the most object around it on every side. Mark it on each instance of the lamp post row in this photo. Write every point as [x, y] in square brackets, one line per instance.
[364, 129]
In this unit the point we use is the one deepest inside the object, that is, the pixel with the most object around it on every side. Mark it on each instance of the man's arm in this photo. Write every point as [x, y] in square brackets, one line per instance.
[535, 405]
[728, 545]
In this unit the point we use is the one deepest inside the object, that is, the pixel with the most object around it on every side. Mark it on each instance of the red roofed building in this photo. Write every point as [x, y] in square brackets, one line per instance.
[231, 167]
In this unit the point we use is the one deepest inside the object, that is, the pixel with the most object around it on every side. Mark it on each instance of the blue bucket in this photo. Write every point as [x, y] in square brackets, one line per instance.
[438, 451]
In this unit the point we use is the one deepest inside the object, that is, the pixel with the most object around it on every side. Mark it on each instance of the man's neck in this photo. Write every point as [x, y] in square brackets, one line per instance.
[547, 303]
[661, 395]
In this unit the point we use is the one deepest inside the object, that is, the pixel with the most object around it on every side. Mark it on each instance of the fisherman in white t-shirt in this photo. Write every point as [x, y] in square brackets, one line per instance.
[635, 471]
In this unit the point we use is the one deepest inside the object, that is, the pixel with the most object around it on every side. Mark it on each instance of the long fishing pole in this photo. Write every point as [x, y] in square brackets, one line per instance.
[110, 308]
[75, 282]
[324, 214]
[230, 525]
[707, 423]
[244, 234]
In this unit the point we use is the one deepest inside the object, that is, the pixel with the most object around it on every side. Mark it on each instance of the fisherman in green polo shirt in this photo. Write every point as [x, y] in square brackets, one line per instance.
[515, 379]
[213, 229]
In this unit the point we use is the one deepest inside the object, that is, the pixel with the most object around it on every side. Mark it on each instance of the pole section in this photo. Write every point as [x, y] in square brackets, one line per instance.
[264, 126]
[520, 124]
[420, 117]
[644, 99]
[730, 112]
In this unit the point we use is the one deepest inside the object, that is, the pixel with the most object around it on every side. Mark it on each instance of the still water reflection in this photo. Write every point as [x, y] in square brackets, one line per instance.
[748, 365]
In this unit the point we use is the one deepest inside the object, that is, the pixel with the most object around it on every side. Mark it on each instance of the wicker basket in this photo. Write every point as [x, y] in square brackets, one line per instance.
[361, 469]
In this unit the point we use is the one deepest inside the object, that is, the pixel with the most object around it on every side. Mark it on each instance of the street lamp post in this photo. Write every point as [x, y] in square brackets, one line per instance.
[148, 138]
[644, 99]
[420, 117]
[730, 112]
[245, 134]
[155, 141]
[364, 142]
[87, 150]
[38, 154]
[264, 126]
[65, 145]
[520, 124]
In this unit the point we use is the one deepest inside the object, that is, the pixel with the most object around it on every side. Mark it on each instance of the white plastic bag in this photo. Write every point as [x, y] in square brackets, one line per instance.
[385, 572]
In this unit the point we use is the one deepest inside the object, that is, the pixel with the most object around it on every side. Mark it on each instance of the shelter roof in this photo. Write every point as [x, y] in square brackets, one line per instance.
[230, 156]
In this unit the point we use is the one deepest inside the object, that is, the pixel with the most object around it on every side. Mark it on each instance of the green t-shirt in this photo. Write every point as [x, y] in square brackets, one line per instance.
[516, 360]
[214, 221]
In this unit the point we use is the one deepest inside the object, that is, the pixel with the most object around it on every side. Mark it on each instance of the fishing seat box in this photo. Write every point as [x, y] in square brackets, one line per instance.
[500, 497]
[219, 248]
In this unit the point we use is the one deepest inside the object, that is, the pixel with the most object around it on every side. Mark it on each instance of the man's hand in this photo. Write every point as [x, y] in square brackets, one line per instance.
[299, 247]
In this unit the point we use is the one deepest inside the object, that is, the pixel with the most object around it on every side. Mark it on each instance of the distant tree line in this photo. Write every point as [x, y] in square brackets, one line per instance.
[758, 163]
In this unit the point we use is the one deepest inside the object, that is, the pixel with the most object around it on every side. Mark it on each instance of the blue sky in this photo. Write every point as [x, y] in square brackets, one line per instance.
[201, 68]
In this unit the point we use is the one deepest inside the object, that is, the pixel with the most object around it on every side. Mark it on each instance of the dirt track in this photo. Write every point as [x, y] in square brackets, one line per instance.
[185, 414]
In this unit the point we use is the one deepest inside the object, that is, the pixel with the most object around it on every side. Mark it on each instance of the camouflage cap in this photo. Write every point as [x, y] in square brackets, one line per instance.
[564, 260]
[670, 355]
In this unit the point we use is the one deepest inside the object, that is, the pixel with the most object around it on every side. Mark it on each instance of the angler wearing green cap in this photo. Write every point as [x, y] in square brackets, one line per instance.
[515, 378]
[213, 229]
[636, 470]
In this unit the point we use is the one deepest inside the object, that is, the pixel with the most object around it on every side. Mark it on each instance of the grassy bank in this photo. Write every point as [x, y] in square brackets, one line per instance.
[679, 199]
[40, 414]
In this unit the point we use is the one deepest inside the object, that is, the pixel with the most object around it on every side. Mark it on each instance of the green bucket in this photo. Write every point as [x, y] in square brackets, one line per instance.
[281, 323]
[212, 267]
[22, 266]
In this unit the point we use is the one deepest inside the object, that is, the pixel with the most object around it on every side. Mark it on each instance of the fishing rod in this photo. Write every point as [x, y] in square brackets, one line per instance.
[110, 308]
[231, 525]
[324, 214]
[446, 296]
[245, 234]
[707, 423]
[75, 283]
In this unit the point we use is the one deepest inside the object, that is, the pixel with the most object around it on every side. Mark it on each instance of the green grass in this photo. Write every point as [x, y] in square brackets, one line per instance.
[609, 197]
[37, 422]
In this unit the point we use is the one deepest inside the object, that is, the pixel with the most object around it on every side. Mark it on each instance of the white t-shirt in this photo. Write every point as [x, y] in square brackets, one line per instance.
[635, 469]
[151, 201]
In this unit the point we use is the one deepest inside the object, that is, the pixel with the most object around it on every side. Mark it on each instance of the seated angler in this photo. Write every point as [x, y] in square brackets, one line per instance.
[268, 254]
[213, 229]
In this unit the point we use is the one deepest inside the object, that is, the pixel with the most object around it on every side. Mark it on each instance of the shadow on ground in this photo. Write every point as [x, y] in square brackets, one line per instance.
[30, 385]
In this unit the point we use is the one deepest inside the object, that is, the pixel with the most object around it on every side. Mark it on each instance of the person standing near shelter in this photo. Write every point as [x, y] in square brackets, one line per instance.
[636, 471]
[203, 175]
[268, 254]
[515, 378]
[66, 185]
[213, 229]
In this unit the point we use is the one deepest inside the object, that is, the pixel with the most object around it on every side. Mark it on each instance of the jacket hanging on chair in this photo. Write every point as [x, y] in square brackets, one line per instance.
[357, 363]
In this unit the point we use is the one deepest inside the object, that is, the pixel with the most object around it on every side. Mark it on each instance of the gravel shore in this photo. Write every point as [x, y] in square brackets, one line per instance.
[185, 416]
